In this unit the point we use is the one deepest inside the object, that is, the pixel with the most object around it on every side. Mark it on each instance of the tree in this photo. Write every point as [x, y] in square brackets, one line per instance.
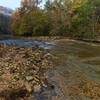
[84, 21]
[30, 21]
[4, 24]
[74, 18]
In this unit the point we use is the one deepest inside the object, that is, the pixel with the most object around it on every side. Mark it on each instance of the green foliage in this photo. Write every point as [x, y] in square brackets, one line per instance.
[32, 23]
[40, 23]
[25, 27]
[79, 19]
[83, 23]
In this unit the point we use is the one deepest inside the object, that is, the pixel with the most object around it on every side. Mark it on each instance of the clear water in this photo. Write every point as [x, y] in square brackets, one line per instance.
[78, 57]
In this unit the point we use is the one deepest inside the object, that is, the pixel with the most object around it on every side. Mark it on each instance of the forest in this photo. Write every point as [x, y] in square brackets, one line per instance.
[70, 18]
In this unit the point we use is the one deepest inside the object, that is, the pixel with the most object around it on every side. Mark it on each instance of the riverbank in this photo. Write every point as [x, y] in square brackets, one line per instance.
[22, 73]
[68, 71]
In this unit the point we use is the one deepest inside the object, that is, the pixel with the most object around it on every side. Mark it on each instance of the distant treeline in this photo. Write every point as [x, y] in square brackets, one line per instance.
[72, 18]
[4, 24]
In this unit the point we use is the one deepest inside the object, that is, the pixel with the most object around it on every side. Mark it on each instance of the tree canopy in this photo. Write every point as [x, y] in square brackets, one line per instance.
[72, 18]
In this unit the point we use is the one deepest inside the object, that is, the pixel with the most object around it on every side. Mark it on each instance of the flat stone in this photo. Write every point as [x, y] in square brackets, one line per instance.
[29, 78]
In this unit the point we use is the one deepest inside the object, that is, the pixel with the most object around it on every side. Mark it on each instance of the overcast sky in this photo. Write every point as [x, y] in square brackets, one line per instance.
[13, 4]
[10, 3]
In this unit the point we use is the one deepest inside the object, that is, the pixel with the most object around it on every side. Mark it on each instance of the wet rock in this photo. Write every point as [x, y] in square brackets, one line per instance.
[48, 56]
[29, 78]
[37, 88]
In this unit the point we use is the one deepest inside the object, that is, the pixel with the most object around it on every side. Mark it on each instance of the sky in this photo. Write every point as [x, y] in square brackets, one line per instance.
[13, 4]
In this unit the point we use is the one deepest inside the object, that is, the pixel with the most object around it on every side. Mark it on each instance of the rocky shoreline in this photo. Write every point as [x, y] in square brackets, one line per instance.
[23, 73]
[35, 73]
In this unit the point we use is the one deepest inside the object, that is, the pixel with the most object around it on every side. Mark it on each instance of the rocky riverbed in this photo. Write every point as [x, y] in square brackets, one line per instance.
[23, 73]
[69, 71]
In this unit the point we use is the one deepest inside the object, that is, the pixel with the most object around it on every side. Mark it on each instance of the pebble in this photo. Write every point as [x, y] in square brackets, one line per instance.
[37, 88]
[29, 78]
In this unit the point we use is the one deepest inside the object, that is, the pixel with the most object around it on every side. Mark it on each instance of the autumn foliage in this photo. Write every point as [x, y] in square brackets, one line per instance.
[72, 18]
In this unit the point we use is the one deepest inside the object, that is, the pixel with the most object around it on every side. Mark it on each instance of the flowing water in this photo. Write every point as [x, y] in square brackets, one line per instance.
[23, 42]
[74, 62]
[78, 66]
[80, 56]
